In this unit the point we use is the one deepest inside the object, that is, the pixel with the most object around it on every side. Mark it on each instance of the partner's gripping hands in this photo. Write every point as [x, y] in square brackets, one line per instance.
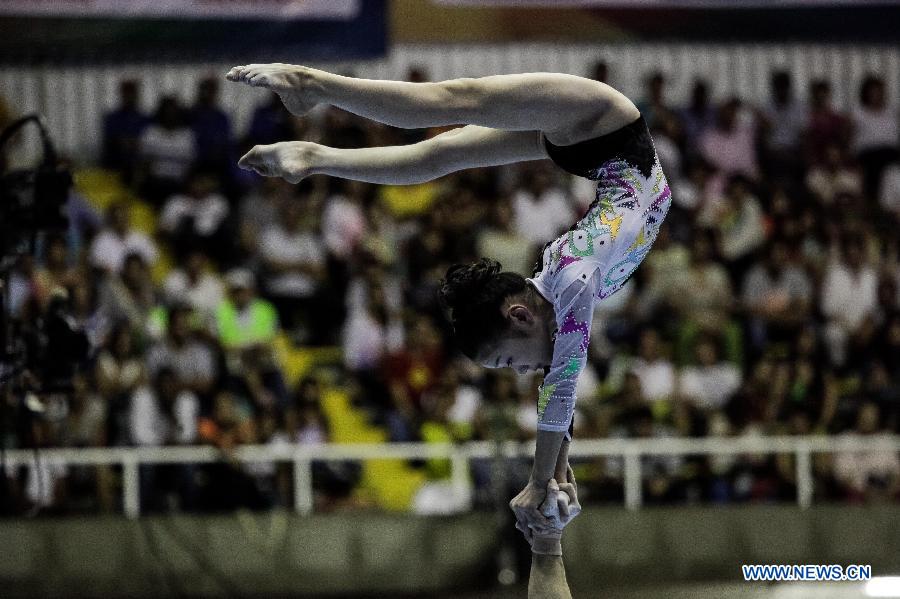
[541, 514]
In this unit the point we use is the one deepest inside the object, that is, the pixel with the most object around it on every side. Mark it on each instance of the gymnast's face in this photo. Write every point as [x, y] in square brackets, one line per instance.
[525, 346]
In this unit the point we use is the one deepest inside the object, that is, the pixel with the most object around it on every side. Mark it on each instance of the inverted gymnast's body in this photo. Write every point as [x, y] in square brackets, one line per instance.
[502, 319]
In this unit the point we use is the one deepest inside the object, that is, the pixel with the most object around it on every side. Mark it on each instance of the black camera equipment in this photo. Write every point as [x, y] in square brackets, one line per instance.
[32, 202]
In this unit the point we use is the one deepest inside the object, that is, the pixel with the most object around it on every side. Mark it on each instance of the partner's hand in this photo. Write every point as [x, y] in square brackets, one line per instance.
[526, 507]
[569, 492]
[548, 541]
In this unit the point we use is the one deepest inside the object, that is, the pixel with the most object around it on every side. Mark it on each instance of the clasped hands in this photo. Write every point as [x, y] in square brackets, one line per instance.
[543, 511]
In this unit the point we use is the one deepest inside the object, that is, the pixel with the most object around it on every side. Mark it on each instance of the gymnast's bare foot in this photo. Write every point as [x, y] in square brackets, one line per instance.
[295, 85]
[290, 160]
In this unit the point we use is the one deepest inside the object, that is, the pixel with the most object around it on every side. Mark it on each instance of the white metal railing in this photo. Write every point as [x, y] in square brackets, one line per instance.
[302, 456]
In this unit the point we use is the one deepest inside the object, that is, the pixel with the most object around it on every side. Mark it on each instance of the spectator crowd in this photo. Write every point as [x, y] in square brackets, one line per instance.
[768, 305]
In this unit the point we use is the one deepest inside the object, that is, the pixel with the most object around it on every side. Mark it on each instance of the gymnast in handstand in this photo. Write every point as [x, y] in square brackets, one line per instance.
[502, 319]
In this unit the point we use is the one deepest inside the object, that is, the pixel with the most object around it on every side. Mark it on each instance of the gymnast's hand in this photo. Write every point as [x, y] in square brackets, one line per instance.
[290, 160]
[560, 506]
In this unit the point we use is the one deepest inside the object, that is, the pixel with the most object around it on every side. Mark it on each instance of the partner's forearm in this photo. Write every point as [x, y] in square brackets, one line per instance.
[548, 578]
[546, 455]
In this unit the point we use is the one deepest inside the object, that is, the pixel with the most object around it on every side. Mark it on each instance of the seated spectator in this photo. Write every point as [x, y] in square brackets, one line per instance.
[129, 295]
[197, 218]
[876, 131]
[411, 372]
[119, 238]
[88, 487]
[730, 146]
[193, 361]
[212, 129]
[243, 320]
[293, 257]
[164, 413]
[777, 295]
[889, 194]
[660, 473]
[56, 272]
[868, 475]
[501, 242]
[832, 176]
[259, 211]
[166, 149]
[196, 285]
[704, 298]
[665, 140]
[826, 126]
[119, 371]
[344, 220]
[653, 106]
[374, 326]
[711, 382]
[541, 209]
[85, 419]
[784, 119]
[664, 267]
[848, 297]
[122, 128]
[740, 225]
[696, 118]
[246, 327]
[655, 372]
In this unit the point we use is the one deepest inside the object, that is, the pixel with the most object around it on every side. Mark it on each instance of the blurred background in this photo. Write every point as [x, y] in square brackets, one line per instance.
[223, 385]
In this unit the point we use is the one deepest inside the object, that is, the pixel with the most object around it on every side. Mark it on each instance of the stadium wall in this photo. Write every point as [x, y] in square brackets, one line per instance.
[279, 553]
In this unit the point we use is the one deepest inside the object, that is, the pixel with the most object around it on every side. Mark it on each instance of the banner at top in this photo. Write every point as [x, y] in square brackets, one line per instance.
[184, 9]
[665, 3]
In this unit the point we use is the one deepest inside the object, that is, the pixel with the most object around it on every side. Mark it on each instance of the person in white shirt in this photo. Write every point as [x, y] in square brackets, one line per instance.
[740, 226]
[876, 132]
[294, 258]
[833, 176]
[656, 373]
[711, 382]
[196, 285]
[344, 220]
[192, 360]
[541, 210]
[868, 474]
[196, 218]
[118, 239]
[849, 296]
[164, 414]
[166, 149]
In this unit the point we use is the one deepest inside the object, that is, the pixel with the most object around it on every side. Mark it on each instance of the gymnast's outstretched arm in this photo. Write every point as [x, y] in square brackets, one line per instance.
[465, 147]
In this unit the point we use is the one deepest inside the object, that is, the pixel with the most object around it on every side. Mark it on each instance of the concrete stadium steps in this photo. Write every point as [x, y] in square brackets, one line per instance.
[391, 484]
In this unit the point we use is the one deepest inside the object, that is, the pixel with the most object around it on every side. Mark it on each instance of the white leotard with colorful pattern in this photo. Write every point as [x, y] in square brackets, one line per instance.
[594, 259]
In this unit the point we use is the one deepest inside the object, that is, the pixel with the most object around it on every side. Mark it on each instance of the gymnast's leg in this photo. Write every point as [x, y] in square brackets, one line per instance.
[549, 102]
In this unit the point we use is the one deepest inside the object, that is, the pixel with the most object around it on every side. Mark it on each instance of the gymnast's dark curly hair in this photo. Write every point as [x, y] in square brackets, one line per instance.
[471, 295]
